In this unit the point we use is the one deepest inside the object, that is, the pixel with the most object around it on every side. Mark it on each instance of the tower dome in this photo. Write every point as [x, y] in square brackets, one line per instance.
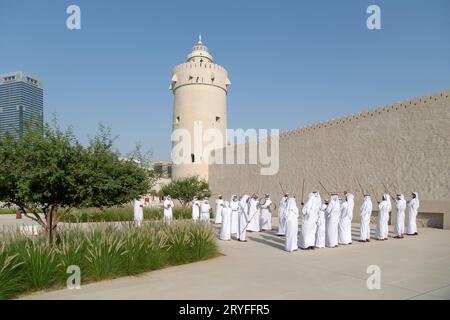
[199, 53]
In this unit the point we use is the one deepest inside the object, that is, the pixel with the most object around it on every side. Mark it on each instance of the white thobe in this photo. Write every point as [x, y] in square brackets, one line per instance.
[309, 222]
[400, 223]
[219, 207]
[243, 219]
[234, 206]
[225, 228]
[282, 216]
[168, 205]
[266, 215]
[413, 206]
[138, 211]
[332, 222]
[204, 212]
[345, 221]
[195, 210]
[291, 241]
[381, 232]
[320, 233]
[253, 215]
[366, 212]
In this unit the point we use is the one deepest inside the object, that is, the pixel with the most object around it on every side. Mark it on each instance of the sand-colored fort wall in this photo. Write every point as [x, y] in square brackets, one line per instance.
[403, 146]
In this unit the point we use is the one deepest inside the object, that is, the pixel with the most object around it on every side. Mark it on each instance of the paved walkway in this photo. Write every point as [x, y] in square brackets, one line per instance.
[412, 268]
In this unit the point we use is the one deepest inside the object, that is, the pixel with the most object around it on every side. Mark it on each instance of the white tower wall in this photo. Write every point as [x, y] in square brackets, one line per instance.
[200, 97]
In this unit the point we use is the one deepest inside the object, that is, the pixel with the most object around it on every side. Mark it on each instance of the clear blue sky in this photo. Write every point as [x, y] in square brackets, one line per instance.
[291, 63]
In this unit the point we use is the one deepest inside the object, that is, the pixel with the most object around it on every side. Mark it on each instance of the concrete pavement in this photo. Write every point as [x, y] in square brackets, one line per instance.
[416, 267]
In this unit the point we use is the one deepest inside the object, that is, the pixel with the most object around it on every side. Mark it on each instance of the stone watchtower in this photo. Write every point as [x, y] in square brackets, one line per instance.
[200, 102]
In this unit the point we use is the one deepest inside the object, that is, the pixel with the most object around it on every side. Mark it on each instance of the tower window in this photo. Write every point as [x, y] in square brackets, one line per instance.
[192, 157]
[178, 119]
[217, 119]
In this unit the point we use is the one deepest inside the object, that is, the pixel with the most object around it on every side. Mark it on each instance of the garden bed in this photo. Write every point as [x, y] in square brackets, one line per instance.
[103, 251]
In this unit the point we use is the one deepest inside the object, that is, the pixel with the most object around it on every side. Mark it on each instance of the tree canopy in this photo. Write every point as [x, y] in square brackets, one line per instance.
[49, 171]
[185, 189]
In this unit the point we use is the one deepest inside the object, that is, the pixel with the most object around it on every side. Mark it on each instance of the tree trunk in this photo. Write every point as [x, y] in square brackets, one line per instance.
[51, 223]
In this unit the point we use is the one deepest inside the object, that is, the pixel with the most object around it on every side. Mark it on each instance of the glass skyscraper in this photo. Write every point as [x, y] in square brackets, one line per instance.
[21, 102]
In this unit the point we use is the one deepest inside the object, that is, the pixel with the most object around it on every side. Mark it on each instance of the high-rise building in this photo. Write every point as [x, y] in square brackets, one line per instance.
[200, 91]
[21, 102]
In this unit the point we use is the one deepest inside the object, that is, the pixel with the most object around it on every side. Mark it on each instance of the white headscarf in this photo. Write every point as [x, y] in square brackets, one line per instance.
[291, 206]
[367, 201]
[318, 198]
[309, 203]
[243, 200]
[350, 197]
[387, 197]
[334, 198]
[417, 197]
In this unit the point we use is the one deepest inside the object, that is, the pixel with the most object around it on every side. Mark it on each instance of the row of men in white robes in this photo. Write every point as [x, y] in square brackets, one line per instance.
[329, 224]
[325, 224]
[138, 210]
[201, 209]
[242, 214]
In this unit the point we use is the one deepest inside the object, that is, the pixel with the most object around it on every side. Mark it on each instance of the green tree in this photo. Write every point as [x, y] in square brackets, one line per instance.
[48, 171]
[185, 189]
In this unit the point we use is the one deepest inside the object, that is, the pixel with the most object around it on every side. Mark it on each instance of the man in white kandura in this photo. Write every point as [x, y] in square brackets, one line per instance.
[195, 209]
[266, 214]
[333, 212]
[345, 221]
[399, 229]
[413, 206]
[383, 207]
[234, 206]
[219, 206]
[366, 212]
[225, 228]
[387, 216]
[168, 205]
[291, 242]
[205, 210]
[310, 213]
[138, 208]
[253, 214]
[243, 218]
[320, 233]
[282, 216]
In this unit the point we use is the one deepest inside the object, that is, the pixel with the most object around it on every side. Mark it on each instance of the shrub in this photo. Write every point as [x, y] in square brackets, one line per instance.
[184, 189]
[121, 213]
[101, 251]
[7, 211]
[11, 277]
